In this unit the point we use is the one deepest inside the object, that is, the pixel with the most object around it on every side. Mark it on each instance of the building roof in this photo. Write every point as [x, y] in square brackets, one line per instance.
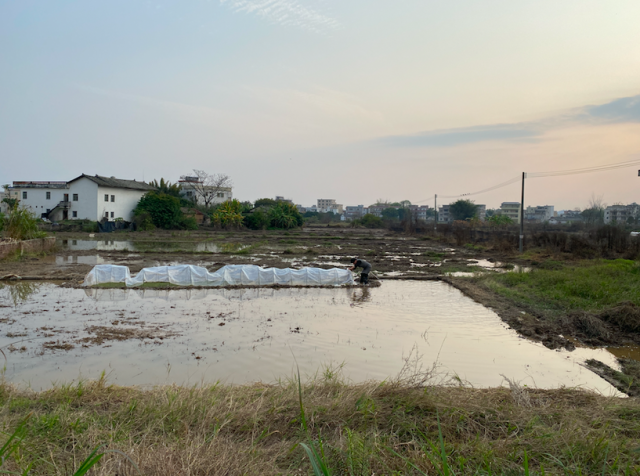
[31, 184]
[113, 182]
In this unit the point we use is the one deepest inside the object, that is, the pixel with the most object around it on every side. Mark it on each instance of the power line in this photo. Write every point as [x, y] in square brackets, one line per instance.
[585, 170]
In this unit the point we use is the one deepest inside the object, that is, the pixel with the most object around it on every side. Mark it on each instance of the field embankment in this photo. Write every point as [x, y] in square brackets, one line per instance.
[364, 429]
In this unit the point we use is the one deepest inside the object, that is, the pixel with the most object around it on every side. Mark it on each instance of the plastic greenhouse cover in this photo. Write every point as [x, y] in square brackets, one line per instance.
[229, 275]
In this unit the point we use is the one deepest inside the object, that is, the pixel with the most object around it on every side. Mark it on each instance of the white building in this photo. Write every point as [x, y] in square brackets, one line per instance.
[41, 198]
[621, 213]
[329, 205]
[355, 212]
[512, 210]
[87, 197]
[192, 189]
[539, 213]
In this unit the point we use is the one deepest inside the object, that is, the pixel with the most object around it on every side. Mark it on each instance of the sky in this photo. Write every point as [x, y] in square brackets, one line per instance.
[356, 100]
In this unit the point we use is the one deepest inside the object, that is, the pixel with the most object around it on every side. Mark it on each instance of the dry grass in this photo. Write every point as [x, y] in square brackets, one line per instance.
[369, 428]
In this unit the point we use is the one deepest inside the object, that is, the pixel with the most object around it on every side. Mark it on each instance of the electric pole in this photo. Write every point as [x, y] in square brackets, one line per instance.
[524, 175]
[435, 212]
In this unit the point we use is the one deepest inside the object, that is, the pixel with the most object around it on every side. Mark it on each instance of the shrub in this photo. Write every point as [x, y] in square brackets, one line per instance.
[285, 215]
[228, 214]
[163, 209]
[370, 221]
[22, 224]
[189, 223]
[257, 220]
[143, 221]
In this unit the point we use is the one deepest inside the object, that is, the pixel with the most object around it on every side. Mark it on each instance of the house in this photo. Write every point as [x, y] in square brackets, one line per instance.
[329, 205]
[355, 212]
[539, 213]
[420, 212]
[87, 197]
[280, 198]
[192, 188]
[621, 213]
[443, 214]
[194, 213]
[512, 210]
[44, 199]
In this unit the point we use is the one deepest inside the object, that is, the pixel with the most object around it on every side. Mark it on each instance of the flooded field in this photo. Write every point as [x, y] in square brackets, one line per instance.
[146, 337]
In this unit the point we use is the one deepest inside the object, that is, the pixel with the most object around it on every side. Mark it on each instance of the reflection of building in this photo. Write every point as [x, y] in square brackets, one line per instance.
[192, 188]
[621, 213]
[87, 197]
[511, 209]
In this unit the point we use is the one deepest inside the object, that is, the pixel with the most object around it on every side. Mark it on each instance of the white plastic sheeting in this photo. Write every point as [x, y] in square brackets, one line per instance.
[229, 275]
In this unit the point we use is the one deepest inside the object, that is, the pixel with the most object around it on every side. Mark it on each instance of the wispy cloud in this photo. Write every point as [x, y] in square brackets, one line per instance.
[285, 12]
[616, 111]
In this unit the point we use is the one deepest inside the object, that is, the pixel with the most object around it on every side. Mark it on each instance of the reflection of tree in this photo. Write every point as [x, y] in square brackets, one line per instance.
[19, 292]
[359, 296]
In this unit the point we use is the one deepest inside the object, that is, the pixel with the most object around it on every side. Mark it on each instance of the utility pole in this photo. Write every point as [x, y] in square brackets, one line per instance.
[524, 175]
[435, 212]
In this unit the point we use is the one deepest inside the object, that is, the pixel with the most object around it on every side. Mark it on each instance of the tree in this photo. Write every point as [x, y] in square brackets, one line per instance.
[594, 214]
[405, 203]
[163, 209]
[463, 210]
[390, 213]
[167, 187]
[206, 187]
[264, 202]
[228, 214]
[285, 215]
[499, 220]
[369, 221]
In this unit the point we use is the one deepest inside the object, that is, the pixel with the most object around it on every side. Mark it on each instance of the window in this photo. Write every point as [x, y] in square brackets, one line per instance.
[48, 195]
[113, 198]
[48, 210]
[220, 194]
[24, 195]
[111, 214]
[189, 193]
[74, 214]
[75, 197]
[106, 197]
[106, 214]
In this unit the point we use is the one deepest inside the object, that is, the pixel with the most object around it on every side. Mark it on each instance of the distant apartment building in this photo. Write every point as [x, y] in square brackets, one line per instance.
[539, 213]
[511, 209]
[280, 198]
[420, 212]
[329, 205]
[376, 210]
[621, 213]
[355, 212]
[481, 212]
[443, 214]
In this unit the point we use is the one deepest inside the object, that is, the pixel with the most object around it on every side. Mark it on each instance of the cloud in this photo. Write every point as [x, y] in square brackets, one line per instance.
[616, 111]
[465, 135]
[285, 12]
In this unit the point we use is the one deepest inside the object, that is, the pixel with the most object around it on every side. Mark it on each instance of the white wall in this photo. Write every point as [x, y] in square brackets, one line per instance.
[87, 204]
[36, 200]
[125, 201]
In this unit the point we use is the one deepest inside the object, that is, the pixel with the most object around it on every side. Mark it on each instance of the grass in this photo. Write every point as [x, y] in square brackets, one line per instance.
[392, 427]
[556, 287]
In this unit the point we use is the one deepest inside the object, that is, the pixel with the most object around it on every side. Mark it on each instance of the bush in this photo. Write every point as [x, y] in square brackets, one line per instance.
[143, 221]
[369, 221]
[164, 211]
[189, 223]
[285, 215]
[22, 224]
[228, 215]
[257, 220]
[90, 227]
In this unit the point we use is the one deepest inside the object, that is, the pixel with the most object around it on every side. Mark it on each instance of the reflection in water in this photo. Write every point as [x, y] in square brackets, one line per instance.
[359, 296]
[246, 335]
[18, 292]
[127, 245]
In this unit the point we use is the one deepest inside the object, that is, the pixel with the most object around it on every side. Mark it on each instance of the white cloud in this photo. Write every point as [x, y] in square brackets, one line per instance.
[285, 12]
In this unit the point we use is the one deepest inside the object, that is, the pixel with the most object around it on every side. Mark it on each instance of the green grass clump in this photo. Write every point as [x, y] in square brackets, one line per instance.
[587, 286]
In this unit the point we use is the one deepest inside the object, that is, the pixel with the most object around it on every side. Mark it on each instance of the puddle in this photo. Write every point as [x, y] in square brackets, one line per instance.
[115, 245]
[499, 266]
[188, 336]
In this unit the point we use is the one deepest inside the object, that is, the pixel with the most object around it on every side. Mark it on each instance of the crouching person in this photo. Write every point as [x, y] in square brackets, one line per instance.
[366, 268]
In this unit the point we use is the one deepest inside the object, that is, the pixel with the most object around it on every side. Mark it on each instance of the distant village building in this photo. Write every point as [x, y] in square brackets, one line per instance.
[355, 212]
[443, 214]
[193, 189]
[280, 198]
[539, 213]
[87, 197]
[512, 210]
[621, 213]
[329, 205]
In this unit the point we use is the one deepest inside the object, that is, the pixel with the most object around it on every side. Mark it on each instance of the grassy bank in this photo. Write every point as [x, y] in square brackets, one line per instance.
[364, 429]
[555, 287]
